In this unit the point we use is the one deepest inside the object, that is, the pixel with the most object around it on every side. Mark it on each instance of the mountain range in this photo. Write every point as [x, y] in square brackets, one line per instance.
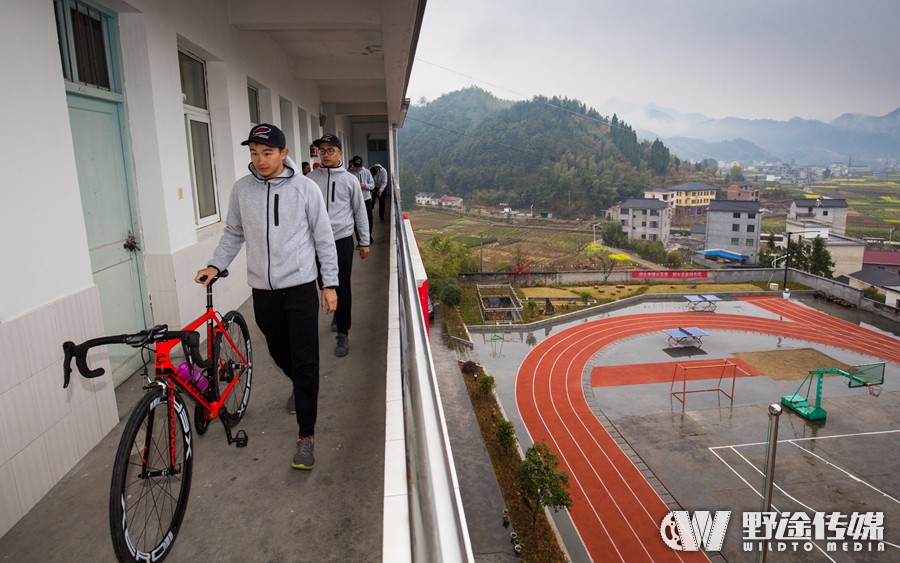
[866, 139]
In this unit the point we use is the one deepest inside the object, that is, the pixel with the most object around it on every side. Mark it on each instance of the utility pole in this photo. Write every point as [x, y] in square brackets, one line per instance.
[481, 244]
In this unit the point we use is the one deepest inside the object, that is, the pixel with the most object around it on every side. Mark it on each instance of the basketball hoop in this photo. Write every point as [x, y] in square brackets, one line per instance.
[874, 390]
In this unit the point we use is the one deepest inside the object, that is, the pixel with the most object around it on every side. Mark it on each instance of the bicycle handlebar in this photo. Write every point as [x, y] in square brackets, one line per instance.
[190, 341]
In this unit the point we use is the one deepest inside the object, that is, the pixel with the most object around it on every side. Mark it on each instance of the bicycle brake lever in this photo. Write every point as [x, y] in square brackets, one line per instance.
[69, 353]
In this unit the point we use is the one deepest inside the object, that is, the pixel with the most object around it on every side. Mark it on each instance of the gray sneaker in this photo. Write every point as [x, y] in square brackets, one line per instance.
[343, 345]
[291, 404]
[305, 457]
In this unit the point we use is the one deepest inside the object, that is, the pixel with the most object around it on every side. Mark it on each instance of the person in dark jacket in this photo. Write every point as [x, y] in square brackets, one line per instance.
[280, 216]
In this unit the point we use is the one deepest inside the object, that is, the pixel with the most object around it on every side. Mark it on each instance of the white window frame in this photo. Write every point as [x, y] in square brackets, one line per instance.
[194, 113]
[198, 116]
[258, 111]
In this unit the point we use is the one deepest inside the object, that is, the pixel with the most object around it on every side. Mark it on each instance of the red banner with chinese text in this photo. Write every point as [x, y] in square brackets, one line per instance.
[650, 274]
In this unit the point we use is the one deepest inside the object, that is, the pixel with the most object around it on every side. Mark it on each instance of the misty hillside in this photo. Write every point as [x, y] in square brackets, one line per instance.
[867, 139]
[555, 154]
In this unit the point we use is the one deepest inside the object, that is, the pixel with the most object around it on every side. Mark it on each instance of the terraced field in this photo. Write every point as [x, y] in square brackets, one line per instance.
[874, 202]
[503, 244]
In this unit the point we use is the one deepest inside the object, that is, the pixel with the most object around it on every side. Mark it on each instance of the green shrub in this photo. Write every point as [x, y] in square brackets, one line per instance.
[873, 294]
[486, 384]
[506, 433]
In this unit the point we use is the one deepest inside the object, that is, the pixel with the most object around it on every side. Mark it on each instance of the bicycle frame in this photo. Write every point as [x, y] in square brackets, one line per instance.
[167, 375]
[166, 369]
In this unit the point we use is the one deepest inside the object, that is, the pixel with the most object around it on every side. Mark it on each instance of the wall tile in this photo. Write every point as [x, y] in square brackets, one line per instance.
[107, 408]
[160, 272]
[61, 448]
[92, 315]
[5, 453]
[31, 468]
[164, 305]
[50, 395]
[20, 421]
[86, 422]
[10, 510]
[14, 367]
[41, 338]
[69, 320]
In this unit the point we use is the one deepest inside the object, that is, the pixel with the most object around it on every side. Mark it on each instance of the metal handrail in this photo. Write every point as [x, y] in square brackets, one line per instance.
[437, 522]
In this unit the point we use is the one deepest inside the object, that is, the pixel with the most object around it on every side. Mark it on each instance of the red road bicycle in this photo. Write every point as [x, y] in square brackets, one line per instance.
[151, 478]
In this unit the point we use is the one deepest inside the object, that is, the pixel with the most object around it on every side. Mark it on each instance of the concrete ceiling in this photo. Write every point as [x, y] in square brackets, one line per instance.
[358, 52]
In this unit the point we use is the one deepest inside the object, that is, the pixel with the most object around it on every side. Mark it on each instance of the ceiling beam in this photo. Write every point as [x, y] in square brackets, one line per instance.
[272, 15]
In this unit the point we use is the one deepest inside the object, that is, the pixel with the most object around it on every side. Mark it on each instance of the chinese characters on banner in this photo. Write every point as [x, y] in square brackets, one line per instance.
[668, 274]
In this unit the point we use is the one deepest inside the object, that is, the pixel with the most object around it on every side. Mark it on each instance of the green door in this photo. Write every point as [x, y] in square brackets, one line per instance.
[109, 219]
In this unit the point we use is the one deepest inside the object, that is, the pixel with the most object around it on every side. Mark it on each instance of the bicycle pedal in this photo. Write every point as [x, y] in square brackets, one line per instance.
[240, 439]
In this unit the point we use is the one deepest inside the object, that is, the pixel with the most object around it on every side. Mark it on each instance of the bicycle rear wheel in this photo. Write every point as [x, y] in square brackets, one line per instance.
[149, 492]
[233, 364]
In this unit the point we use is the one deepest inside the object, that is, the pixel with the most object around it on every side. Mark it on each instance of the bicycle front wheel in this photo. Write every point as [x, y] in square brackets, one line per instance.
[233, 363]
[151, 479]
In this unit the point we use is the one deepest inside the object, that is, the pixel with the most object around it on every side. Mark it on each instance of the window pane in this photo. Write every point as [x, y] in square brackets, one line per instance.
[735, 228]
[751, 228]
[193, 81]
[204, 182]
[735, 241]
[90, 49]
[253, 98]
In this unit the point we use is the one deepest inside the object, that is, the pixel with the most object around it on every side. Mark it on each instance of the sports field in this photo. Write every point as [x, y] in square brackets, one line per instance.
[599, 392]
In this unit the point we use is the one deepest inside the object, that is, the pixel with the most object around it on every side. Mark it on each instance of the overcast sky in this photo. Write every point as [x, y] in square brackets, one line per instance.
[777, 59]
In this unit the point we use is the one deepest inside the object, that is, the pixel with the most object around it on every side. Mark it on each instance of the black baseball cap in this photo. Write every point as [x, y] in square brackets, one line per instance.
[330, 139]
[356, 161]
[266, 134]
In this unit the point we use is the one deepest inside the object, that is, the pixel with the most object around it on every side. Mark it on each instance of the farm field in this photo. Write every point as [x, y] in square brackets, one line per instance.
[874, 202]
[503, 244]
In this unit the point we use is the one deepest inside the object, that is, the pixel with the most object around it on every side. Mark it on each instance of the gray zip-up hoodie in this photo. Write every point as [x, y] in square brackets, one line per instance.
[343, 200]
[285, 224]
[363, 175]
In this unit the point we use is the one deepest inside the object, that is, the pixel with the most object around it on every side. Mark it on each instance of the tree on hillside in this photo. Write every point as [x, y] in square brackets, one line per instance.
[409, 187]
[659, 157]
[554, 153]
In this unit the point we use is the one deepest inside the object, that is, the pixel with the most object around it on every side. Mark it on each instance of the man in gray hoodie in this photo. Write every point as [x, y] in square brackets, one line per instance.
[281, 217]
[367, 183]
[347, 210]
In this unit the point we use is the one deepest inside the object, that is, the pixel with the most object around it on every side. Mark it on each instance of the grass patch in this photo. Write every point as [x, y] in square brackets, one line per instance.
[454, 322]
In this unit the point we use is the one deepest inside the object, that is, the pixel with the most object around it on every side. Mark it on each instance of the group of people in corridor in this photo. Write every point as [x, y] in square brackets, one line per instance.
[298, 226]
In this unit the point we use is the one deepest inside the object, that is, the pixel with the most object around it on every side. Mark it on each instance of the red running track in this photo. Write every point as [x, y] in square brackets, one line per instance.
[615, 510]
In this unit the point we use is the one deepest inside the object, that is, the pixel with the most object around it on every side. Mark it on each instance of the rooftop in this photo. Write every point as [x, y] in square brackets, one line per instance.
[734, 206]
[643, 203]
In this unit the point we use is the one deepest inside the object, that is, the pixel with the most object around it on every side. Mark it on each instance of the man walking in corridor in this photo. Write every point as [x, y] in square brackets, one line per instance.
[346, 210]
